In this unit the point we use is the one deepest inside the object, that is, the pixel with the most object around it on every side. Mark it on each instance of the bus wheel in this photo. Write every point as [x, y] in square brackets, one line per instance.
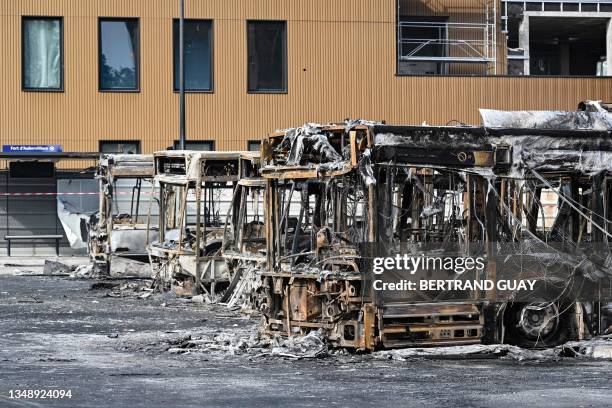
[539, 324]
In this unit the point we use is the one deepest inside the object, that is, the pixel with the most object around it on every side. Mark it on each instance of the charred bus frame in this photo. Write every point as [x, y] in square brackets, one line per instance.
[120, 234]
[405, 187]
[187, 257]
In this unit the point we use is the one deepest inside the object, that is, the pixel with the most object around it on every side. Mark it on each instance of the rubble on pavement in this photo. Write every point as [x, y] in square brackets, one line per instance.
[597, 348]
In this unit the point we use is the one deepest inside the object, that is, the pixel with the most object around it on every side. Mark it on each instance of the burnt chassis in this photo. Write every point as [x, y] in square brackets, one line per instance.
[187, 257]
[326, 287]
[115, 234]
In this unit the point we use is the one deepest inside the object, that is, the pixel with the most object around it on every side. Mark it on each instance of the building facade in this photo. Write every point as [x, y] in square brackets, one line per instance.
[102, 76]
[255, 66]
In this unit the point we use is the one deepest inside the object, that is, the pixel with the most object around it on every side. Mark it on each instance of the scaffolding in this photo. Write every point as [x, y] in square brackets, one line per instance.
[445, 42]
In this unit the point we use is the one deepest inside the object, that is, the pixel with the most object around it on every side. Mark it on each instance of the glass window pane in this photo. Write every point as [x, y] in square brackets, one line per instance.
[123, 147]
[42, 53]
[198, 55]
[267, 56]
[199, 145]
[118, 54]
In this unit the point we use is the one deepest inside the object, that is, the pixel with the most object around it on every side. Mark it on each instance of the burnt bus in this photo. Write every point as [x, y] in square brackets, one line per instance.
[528, 206]
[193, 197]
[119, 228]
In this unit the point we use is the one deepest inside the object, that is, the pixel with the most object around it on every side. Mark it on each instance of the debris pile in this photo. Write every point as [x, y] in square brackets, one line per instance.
[597, 348]
[313, 345]
[84, 272]
[136, 288]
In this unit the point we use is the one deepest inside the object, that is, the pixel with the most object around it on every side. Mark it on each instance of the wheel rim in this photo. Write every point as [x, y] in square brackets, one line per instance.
[537, 320]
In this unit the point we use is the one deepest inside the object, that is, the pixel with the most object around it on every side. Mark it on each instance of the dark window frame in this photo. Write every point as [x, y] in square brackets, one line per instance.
[31, 89]
[253, 141]
[212, 57]
[175, 144]
[136, 141]
[137, 37]
[285, 89]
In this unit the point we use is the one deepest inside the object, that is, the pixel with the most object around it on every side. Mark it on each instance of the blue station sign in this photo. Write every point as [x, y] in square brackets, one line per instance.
[31, 148]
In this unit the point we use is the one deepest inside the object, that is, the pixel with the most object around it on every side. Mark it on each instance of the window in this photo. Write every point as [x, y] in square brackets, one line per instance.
[570, 41]
[422, 45]
[198, 55]
[31, 169]
[199, 145]
[253, 145]
[42, 53]
[267, 56]
[120, 146]
[118, 54]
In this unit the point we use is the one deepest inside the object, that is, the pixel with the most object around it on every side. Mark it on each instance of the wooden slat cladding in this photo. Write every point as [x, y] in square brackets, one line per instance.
[457, 11]
[341, 64]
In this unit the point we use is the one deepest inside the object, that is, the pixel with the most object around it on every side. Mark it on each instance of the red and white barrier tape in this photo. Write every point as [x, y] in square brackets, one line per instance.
[56, 194]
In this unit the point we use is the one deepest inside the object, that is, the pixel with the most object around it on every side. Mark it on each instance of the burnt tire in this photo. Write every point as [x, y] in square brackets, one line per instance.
[539, 324]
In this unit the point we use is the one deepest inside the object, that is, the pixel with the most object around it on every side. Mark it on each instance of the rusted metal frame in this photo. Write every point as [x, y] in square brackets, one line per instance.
[286, 174]
[283, 223]
[372, 211]
[287, 308]
[503, 183]
[574, 216]
[418, 156]
[136, 192]
[405, 209]
[385, 205]
[428, 196]
[368, 339]
[256, 191]
[198, 193]
[162, 212]
[276, 218]
[353, 144]
[607, 193]
[317, 218]
[170, 204]
[288, 274]
[324, 128]
[314, 325]
[600, 240]
[597, 214]
[491, 205]
[533, 207]
[231, 217]
[516, 193]
[201, 179]
[151, 198]
[341, 210]
[109, 221]
[416, 205]
[242, 213]
[397, 204]
[182, 219]
[269, 226]
[430, 309]
[476, 213]
[298, 227]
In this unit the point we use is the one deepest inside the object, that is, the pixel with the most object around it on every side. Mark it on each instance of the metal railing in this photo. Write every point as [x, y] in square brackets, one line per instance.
[446, 42]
